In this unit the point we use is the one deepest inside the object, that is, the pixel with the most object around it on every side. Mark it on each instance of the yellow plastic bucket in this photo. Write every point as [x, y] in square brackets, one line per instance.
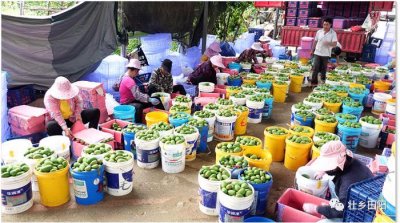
[381, 217]
[245, 147]
[275, 144]
[249, 81]
[265, 158]
[315, 152]
[355, 85]
[382, 85]
[296, 154]
[241, 123]
[308, 134]
[321, 126]
[303, 61]
[172, 112]
[53, 187]
[343, 95]
[231, 91]
[219, 154]
[333, 107]
[156, 117]
[394, 148]
[279, 92]
[296, 83]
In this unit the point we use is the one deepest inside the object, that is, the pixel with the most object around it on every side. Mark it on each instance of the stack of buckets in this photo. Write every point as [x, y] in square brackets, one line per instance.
[388, 214]
[304, 51]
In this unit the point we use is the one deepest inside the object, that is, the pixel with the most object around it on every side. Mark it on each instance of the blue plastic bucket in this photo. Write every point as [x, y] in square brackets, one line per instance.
[234, 82]
[267, 110]
[180, 121]
[129, 142]
[261, 194]
[125, 113]
[202, 145]
[258, 219]
[349, 136]
[357, 111]
[357, 97]
[264, 85]
[303, 121]
[88, 186]
[342, 120]
[235, 66]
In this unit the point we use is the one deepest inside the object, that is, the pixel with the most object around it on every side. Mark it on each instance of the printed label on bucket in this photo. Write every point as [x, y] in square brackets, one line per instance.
[379, 106]
[208, 199]
[266, 110]
[80, 189]
[148, 156]
[117, 181]
[191, 147]
[18, 196]
[350, 141]
[229, 215]
[255, 113]
[224, 130]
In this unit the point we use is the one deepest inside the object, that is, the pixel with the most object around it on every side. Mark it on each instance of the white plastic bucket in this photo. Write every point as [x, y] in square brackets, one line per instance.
[173, 157]
[380, 102]
[369, 134]
[315, 106]
[222, 78]
[60, 144]
[333, 83]
[224, 128]
[238, 101]
[119, 177]
[316, 138]
[164, 97]
[186, 104]
[390, 107]
[208, 195]
[234, 209]
[191, 145]
[99, 157]
[311, 186]
[13, 150]
[166, 133]
[211, 126]
[206, 88]
[16, 193]
[147, 153]
[255, 111]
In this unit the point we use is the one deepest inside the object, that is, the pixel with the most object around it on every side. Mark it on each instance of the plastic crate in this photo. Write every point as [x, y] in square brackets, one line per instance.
[302, 21]
[291, 12]
[20, 96]
[293, 4]
[304, 13]
[363, 159]
[307, 5]
[34, 138]
[368, 53]
[314, 22]
[366, 192]
[190, 89]
[340, 23]
[258, 32]
[291, 21]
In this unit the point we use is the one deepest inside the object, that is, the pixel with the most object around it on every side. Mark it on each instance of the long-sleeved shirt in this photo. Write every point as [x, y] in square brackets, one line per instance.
[163, 82]
[249, 56]
[203, 73]
[353, 173]
[130, 92]
[53, 107]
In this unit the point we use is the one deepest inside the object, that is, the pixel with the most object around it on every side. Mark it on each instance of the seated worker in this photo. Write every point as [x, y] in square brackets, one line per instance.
[212, 50]
[250, 55]
[207, 71]
[130, 93]
[336, 160]
[161, 80]
[64, 104]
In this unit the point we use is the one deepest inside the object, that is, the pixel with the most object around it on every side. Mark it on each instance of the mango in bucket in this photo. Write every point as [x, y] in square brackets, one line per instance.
[97, 149]
[231, 162]
[162, 126]
[147, 135]
[133, 128]
[84, 164]
[276, 131]
[182, 99]
[173, 139]
[348, 124]
[302, 106]
[327, 118]
[118, 156]
[38, 153]
[222, 101]
[236, 188]
[197, 122]
[371, 120]
[327, 136]
[51, 164]
[13, 170]
[214, 173]
[255, 175]
[299, 139]
[211, 107]
[248, 141]
[229, 147]
[179, 108]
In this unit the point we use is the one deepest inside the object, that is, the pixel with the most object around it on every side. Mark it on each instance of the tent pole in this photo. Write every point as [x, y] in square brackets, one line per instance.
[276, 24]
[120, 9]
[205, 24]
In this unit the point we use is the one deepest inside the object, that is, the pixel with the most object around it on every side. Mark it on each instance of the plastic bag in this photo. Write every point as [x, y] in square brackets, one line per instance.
[227, 50]
[110, 104]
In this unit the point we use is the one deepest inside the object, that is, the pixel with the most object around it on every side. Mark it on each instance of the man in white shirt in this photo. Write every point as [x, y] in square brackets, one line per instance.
[325, 40]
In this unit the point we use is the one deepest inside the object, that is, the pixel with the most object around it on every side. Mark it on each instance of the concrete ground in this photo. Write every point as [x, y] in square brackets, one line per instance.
[158, 196]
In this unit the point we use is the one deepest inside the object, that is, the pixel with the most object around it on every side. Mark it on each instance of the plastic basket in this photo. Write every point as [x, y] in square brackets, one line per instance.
[190, 89]
[20, 96]
[366, 192]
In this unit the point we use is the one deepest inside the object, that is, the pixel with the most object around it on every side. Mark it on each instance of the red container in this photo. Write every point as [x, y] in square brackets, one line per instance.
[204, 100]
[107, 127]
[25, 116]
[391, 136]
[340, 23]
[314, 22]
[78, 147]
[212, 95]
[291, 21]
[302, 21]
[18, 131]
[290, 206]
[293, 4]
[304, 13]
[291, 12]
[307, 5]
[220, 89]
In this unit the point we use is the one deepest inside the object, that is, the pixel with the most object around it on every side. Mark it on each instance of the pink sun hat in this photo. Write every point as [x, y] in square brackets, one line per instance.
[62, 89]
[134, 63]
[332, 155]
[217, 61]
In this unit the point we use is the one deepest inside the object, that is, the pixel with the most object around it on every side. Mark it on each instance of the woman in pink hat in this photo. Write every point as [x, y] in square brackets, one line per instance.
[207, 71]
[337, 161]
[65, 107]
[212, 50]
[130, 93]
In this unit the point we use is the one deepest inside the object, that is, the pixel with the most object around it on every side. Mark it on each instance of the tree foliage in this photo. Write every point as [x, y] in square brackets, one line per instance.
[35, 8]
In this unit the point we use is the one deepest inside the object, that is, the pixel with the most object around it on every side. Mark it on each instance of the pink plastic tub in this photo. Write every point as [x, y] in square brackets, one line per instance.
[306, 42]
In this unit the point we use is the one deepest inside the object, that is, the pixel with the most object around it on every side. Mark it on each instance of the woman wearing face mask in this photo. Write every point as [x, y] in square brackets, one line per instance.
[337, 161]
[207, 71]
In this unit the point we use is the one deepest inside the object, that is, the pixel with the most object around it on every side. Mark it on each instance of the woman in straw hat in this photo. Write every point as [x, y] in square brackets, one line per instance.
[65, 107]
[130, 93]
[207, 71]
[250, 55]
[337, 161]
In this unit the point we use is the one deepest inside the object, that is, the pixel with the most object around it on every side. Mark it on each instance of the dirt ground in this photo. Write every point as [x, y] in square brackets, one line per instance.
[158, 196]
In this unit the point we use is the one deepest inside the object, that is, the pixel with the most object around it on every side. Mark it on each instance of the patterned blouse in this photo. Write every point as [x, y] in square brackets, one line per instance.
[163, 82]
[249, 56]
